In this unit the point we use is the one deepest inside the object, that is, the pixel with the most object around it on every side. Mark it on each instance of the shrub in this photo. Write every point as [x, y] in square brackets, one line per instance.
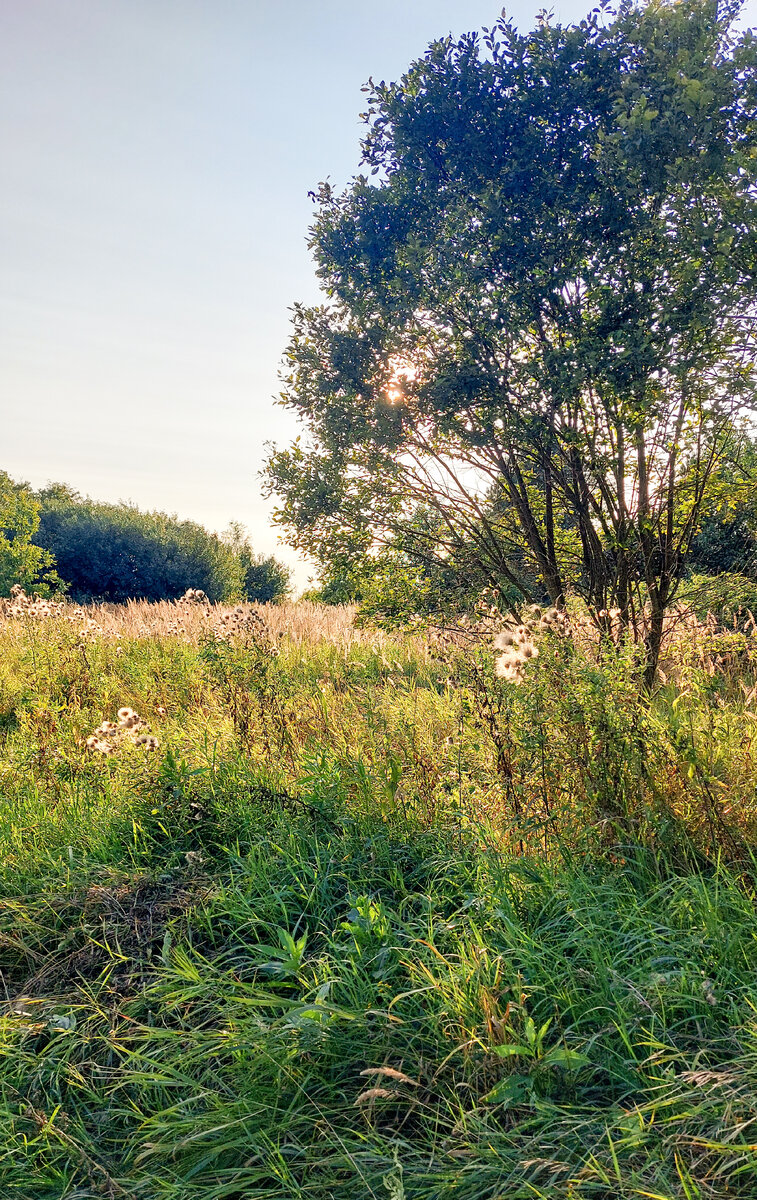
[115, 552]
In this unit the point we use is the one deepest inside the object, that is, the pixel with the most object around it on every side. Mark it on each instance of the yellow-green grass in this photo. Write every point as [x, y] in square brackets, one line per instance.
[369, 922]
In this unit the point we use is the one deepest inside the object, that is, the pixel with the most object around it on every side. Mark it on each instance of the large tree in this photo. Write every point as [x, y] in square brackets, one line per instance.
[540, 307]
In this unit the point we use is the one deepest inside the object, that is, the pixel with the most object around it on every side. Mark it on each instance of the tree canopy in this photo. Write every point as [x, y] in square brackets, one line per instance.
[262, 578]
[116, 552]
[540, 307]
[21, 561]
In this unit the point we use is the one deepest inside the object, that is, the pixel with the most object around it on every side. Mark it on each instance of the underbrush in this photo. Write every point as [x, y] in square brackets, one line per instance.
[370, 923]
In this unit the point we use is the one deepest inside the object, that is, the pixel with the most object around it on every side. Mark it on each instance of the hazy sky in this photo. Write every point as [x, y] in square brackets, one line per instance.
[155, 160]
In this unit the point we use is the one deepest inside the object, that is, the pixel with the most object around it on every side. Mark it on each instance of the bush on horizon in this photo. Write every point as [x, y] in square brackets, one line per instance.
[116, 552]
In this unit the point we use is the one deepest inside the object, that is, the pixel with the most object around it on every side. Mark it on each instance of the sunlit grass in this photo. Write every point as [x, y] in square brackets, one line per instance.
[297, 951]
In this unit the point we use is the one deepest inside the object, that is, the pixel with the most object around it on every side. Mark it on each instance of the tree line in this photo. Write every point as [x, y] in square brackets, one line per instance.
[55, 540]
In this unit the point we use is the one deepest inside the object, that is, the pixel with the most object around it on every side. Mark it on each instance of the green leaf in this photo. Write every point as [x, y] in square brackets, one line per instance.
[570, 1059]
[511, 1051]
[542, 1032]
[514, 1090]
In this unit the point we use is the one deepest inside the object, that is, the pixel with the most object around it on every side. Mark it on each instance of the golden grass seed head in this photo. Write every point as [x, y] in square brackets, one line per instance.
[377, 1093]
[391, 1073]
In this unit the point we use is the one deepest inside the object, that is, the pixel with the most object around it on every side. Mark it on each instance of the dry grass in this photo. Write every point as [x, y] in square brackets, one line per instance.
[688, 640]
[302, 622]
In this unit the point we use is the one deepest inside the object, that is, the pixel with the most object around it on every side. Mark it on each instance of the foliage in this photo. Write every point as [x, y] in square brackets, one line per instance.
[727, 537]
[540, 297]
[395, 585]
[727, 542]
[21, 562]
[116, 552]
[388, 588]
[263, 579]
[393, 589]
[296, 951]
[728, 596]
[266, 580]
[334, 587]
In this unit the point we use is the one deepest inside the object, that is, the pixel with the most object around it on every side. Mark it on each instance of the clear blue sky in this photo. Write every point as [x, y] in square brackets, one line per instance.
[155, 160]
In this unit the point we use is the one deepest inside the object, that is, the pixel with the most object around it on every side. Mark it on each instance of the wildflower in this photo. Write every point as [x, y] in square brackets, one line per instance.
[709, 992]
[194, 596]
[508, 670]
[518, 648]
[128, 718]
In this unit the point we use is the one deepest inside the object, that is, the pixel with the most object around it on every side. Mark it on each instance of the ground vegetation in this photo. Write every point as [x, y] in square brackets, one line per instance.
[291, 908]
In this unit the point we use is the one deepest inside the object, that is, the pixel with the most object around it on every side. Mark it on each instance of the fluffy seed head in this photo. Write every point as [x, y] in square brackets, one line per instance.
[148, 742]
[502, 641]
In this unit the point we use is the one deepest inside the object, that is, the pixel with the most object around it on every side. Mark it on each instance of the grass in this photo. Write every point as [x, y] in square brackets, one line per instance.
[309, 948]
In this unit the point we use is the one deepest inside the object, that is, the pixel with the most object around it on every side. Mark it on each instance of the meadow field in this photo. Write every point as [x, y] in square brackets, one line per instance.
[293, 909]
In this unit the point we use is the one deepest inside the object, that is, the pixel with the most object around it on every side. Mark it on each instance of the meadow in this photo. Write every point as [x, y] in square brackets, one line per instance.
[293, 909]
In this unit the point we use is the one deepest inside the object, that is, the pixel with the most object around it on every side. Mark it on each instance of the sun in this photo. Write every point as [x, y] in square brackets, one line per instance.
[402, 372]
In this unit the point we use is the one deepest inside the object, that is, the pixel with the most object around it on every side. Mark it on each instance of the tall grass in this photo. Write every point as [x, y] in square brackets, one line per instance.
[370, 923]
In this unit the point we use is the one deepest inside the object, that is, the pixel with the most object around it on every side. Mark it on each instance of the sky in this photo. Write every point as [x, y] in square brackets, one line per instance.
[155, 163]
